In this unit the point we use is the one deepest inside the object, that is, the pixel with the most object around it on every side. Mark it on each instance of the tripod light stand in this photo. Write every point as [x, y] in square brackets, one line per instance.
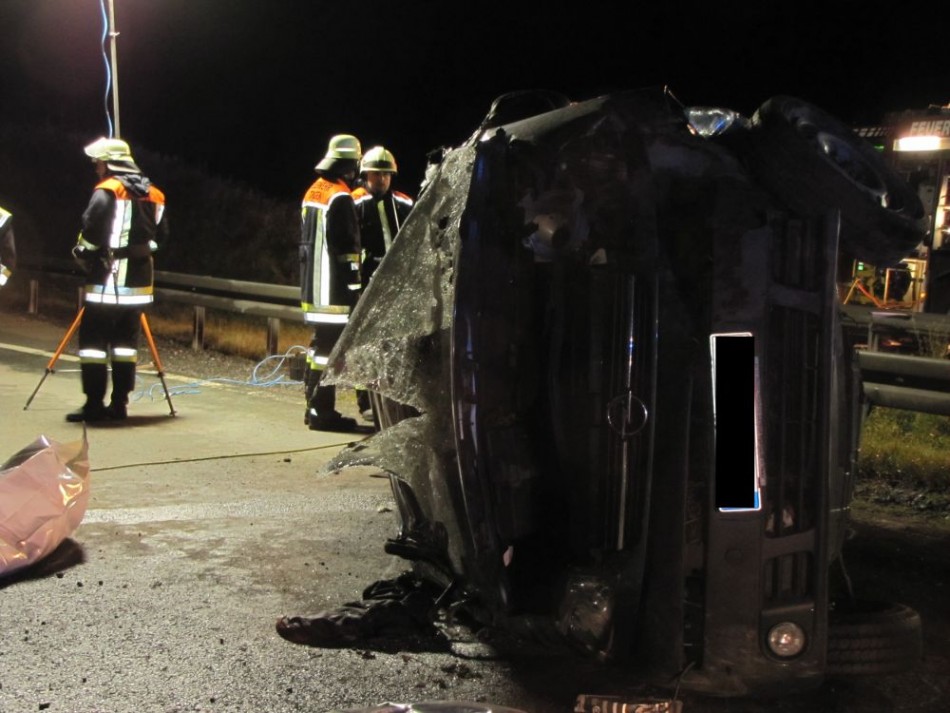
[69, 334]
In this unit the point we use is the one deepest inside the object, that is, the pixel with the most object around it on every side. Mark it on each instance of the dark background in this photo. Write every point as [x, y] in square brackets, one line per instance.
[252, 89]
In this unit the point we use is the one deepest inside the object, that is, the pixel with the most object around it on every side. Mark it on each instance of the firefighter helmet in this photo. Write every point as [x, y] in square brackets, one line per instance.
[114, 152]
[378, 159]
[342, 147]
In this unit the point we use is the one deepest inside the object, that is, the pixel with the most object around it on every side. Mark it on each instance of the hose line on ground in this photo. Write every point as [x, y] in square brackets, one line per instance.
[258, 379]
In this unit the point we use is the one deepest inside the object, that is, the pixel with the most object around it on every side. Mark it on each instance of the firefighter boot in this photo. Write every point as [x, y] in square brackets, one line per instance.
[323, 414]
[364, 405]
[94, 379]
[123, 381]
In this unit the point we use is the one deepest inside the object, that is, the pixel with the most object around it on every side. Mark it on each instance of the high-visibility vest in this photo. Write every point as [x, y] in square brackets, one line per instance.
[329, 264]
[121, 267]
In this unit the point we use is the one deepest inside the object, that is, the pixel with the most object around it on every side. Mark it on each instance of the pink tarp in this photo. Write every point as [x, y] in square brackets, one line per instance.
[44, 491]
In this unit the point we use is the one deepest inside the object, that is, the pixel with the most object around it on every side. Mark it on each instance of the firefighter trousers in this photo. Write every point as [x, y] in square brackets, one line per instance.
[108, 335]
[321, 400]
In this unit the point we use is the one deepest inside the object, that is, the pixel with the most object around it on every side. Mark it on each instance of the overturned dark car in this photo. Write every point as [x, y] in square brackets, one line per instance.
[614, 397]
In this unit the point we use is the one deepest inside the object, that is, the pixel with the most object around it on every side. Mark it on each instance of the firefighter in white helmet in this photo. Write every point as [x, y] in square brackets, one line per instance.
[381, 209]
[123, 224]
[7, 246]
[329, 272]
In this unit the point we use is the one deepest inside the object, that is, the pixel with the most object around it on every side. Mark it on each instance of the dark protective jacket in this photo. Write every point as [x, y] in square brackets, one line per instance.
[329, 252]
[7, 246]
[121, 227]
[380, 220]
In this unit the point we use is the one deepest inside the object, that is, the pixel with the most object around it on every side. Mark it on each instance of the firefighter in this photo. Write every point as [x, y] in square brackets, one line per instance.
[7, 246]
[381, 211]
[329, 272]
[122, 226]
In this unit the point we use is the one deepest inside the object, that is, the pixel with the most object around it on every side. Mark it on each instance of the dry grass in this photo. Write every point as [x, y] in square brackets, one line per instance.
[913, 448]
[240, 335]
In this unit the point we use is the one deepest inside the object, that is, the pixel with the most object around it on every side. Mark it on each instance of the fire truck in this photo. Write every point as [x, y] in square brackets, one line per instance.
[916, 143]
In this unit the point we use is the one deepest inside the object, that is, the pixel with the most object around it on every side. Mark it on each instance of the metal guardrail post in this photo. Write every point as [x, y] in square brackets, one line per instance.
[33, 306]
[198, 329]
[273, 334]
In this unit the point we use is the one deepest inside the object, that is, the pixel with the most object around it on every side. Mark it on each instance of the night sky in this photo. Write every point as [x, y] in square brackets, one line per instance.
[252, 90]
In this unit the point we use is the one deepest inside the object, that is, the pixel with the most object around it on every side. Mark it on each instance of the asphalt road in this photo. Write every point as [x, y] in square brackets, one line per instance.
[203, 528]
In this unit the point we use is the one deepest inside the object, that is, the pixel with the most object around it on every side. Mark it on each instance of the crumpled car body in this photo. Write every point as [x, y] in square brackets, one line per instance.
[605, 354]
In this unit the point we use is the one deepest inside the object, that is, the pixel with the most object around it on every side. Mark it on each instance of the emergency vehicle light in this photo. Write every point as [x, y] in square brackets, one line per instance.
[922, 143]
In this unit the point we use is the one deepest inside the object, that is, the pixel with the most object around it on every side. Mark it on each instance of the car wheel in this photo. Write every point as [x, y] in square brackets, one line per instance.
[815, 164]
[873, 638]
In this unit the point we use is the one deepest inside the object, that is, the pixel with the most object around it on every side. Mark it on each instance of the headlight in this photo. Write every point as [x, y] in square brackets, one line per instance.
[786, 639]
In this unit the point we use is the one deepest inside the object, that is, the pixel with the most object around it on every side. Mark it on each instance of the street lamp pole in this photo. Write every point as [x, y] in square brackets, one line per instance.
[113, 33]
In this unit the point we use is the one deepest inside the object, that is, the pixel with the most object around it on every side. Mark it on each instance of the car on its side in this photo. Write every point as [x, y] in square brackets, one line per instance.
[616, 408]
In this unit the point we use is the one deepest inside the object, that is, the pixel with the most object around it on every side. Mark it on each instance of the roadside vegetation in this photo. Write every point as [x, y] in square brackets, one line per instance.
[218, 227]
[905, 462]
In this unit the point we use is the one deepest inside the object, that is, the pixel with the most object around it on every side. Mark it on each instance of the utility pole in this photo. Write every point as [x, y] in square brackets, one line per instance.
[113, 33]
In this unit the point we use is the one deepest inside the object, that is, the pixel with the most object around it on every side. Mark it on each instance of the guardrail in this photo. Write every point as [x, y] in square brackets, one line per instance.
[875, 324]
[905, 381]
[888, 379]
[275, 303]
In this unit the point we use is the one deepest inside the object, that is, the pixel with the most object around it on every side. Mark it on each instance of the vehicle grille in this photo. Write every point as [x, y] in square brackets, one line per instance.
[792, 422]
[788, 577]
[793, 409]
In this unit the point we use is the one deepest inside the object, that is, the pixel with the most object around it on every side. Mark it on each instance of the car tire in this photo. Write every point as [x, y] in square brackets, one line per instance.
[815, 164]
[873, 638]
